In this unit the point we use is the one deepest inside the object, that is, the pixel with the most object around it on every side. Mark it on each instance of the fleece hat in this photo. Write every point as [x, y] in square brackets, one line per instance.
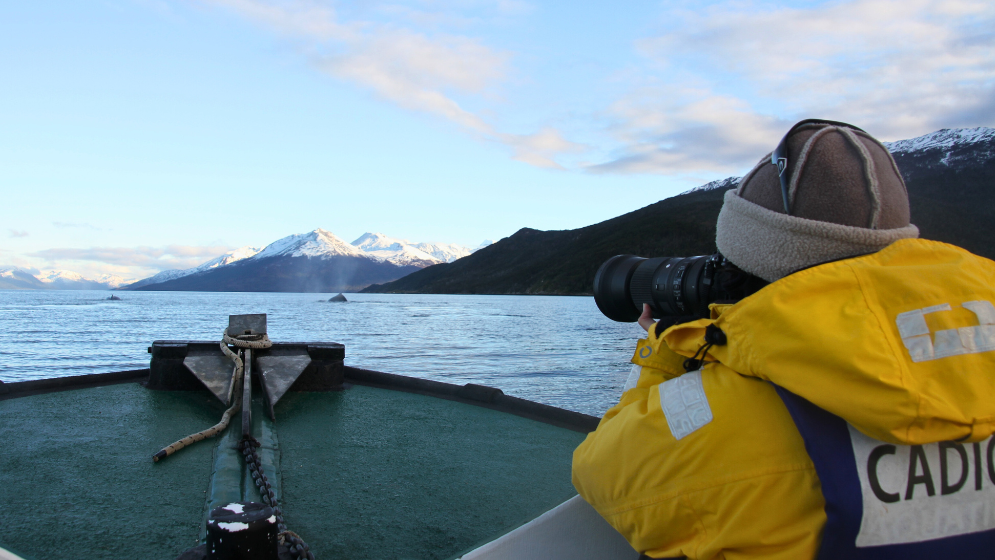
[844, 198]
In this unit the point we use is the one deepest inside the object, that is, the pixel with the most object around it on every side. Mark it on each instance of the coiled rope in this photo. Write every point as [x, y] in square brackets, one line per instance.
[254, 342]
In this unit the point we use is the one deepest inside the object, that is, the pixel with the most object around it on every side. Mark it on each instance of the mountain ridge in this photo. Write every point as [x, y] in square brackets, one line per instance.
[316, 261]
[949, 172]
[17, 278]
[172, 274]
[950, 175]
[315, 244]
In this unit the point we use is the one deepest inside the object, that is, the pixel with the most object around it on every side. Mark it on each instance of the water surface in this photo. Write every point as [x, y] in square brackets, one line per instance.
[551, 349]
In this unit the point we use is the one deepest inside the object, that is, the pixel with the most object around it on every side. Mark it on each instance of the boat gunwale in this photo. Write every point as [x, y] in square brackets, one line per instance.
[17, 389]
[472, 394]
[477, 395]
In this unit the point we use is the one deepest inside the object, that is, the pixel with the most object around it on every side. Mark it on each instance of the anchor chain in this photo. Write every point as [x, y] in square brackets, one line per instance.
[286, 537]
[255, 342]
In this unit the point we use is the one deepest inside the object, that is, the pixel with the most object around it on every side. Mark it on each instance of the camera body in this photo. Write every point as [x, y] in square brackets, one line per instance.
[676, 288]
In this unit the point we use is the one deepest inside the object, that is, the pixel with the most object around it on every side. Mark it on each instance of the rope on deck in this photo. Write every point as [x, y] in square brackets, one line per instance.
[255, 342]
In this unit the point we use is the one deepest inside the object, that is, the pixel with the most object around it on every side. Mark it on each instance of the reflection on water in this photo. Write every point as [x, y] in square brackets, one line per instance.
[556, 350]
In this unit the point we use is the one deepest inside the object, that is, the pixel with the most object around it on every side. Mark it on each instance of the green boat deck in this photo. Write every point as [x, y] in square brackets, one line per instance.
[365, 473]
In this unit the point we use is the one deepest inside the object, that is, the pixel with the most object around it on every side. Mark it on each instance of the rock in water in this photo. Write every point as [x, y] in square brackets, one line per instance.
[338, 298]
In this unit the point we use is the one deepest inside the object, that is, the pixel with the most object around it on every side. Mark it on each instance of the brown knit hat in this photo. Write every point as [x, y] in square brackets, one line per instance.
[845, 198]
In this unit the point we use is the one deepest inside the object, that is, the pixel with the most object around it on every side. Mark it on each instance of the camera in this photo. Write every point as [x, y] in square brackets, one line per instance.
[676, 288]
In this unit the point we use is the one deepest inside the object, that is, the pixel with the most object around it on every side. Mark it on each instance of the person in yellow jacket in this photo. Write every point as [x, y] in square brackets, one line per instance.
[844, 410]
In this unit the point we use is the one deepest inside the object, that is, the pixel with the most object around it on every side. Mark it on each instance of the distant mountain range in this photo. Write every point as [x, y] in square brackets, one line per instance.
[165, 275]
[14, 278]
[317, 261]
[950, 175]
[314, 261]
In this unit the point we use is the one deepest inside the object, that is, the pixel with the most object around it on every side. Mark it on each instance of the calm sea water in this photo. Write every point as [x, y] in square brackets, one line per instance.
[556, 350]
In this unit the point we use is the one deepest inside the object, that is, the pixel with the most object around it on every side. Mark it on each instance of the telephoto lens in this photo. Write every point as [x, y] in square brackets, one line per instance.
[676, 288]
[672, 286]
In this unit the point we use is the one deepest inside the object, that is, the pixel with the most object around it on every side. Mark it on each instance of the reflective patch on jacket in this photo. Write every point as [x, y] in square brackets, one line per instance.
[898, 501]
[948, 342]
[684, 404]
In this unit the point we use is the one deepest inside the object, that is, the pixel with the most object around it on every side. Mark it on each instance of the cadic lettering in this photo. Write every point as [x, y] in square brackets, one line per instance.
[920, 473]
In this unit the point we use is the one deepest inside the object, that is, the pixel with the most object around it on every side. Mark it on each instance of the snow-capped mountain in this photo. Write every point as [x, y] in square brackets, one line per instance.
[397, 251]
[949, 140]
[229, 257]
[69, 280]
[377, 254]
[404, 252]
[14, 278]
[318, 243]
[59, 275]
[952, 167]
[376, 242]
[446, 252]
[484, 243]
[163, 276]
[113, 281]
[949, 174]
[172, 274]
[727, 183]
[952, 145]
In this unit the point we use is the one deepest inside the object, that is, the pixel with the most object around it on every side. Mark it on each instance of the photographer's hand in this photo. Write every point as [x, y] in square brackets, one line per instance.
[646, 319]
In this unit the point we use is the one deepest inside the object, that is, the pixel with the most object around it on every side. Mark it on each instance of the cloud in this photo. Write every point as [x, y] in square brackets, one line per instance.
[673, 129]
[420, 72]
[17, 233]
[154, 258]
[724, 83]
[541, 149]
[711, 92]
[77, 225]
[415, 71]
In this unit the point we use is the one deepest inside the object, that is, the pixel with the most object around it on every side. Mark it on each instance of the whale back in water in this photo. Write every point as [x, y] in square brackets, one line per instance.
[338, 298]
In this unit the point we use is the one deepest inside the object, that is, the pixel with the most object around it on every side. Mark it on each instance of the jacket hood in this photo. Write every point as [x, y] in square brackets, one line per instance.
[899, 343]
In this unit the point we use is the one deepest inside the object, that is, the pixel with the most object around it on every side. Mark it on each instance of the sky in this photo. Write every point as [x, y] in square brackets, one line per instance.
[144, 135]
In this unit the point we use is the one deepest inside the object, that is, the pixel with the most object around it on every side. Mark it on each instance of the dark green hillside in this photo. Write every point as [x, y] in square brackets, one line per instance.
[952, 198]
[951, 223]
[963, 179]
[564, 262]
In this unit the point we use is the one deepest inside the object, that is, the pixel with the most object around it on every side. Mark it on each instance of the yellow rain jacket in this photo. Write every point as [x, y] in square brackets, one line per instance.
[900, 344]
